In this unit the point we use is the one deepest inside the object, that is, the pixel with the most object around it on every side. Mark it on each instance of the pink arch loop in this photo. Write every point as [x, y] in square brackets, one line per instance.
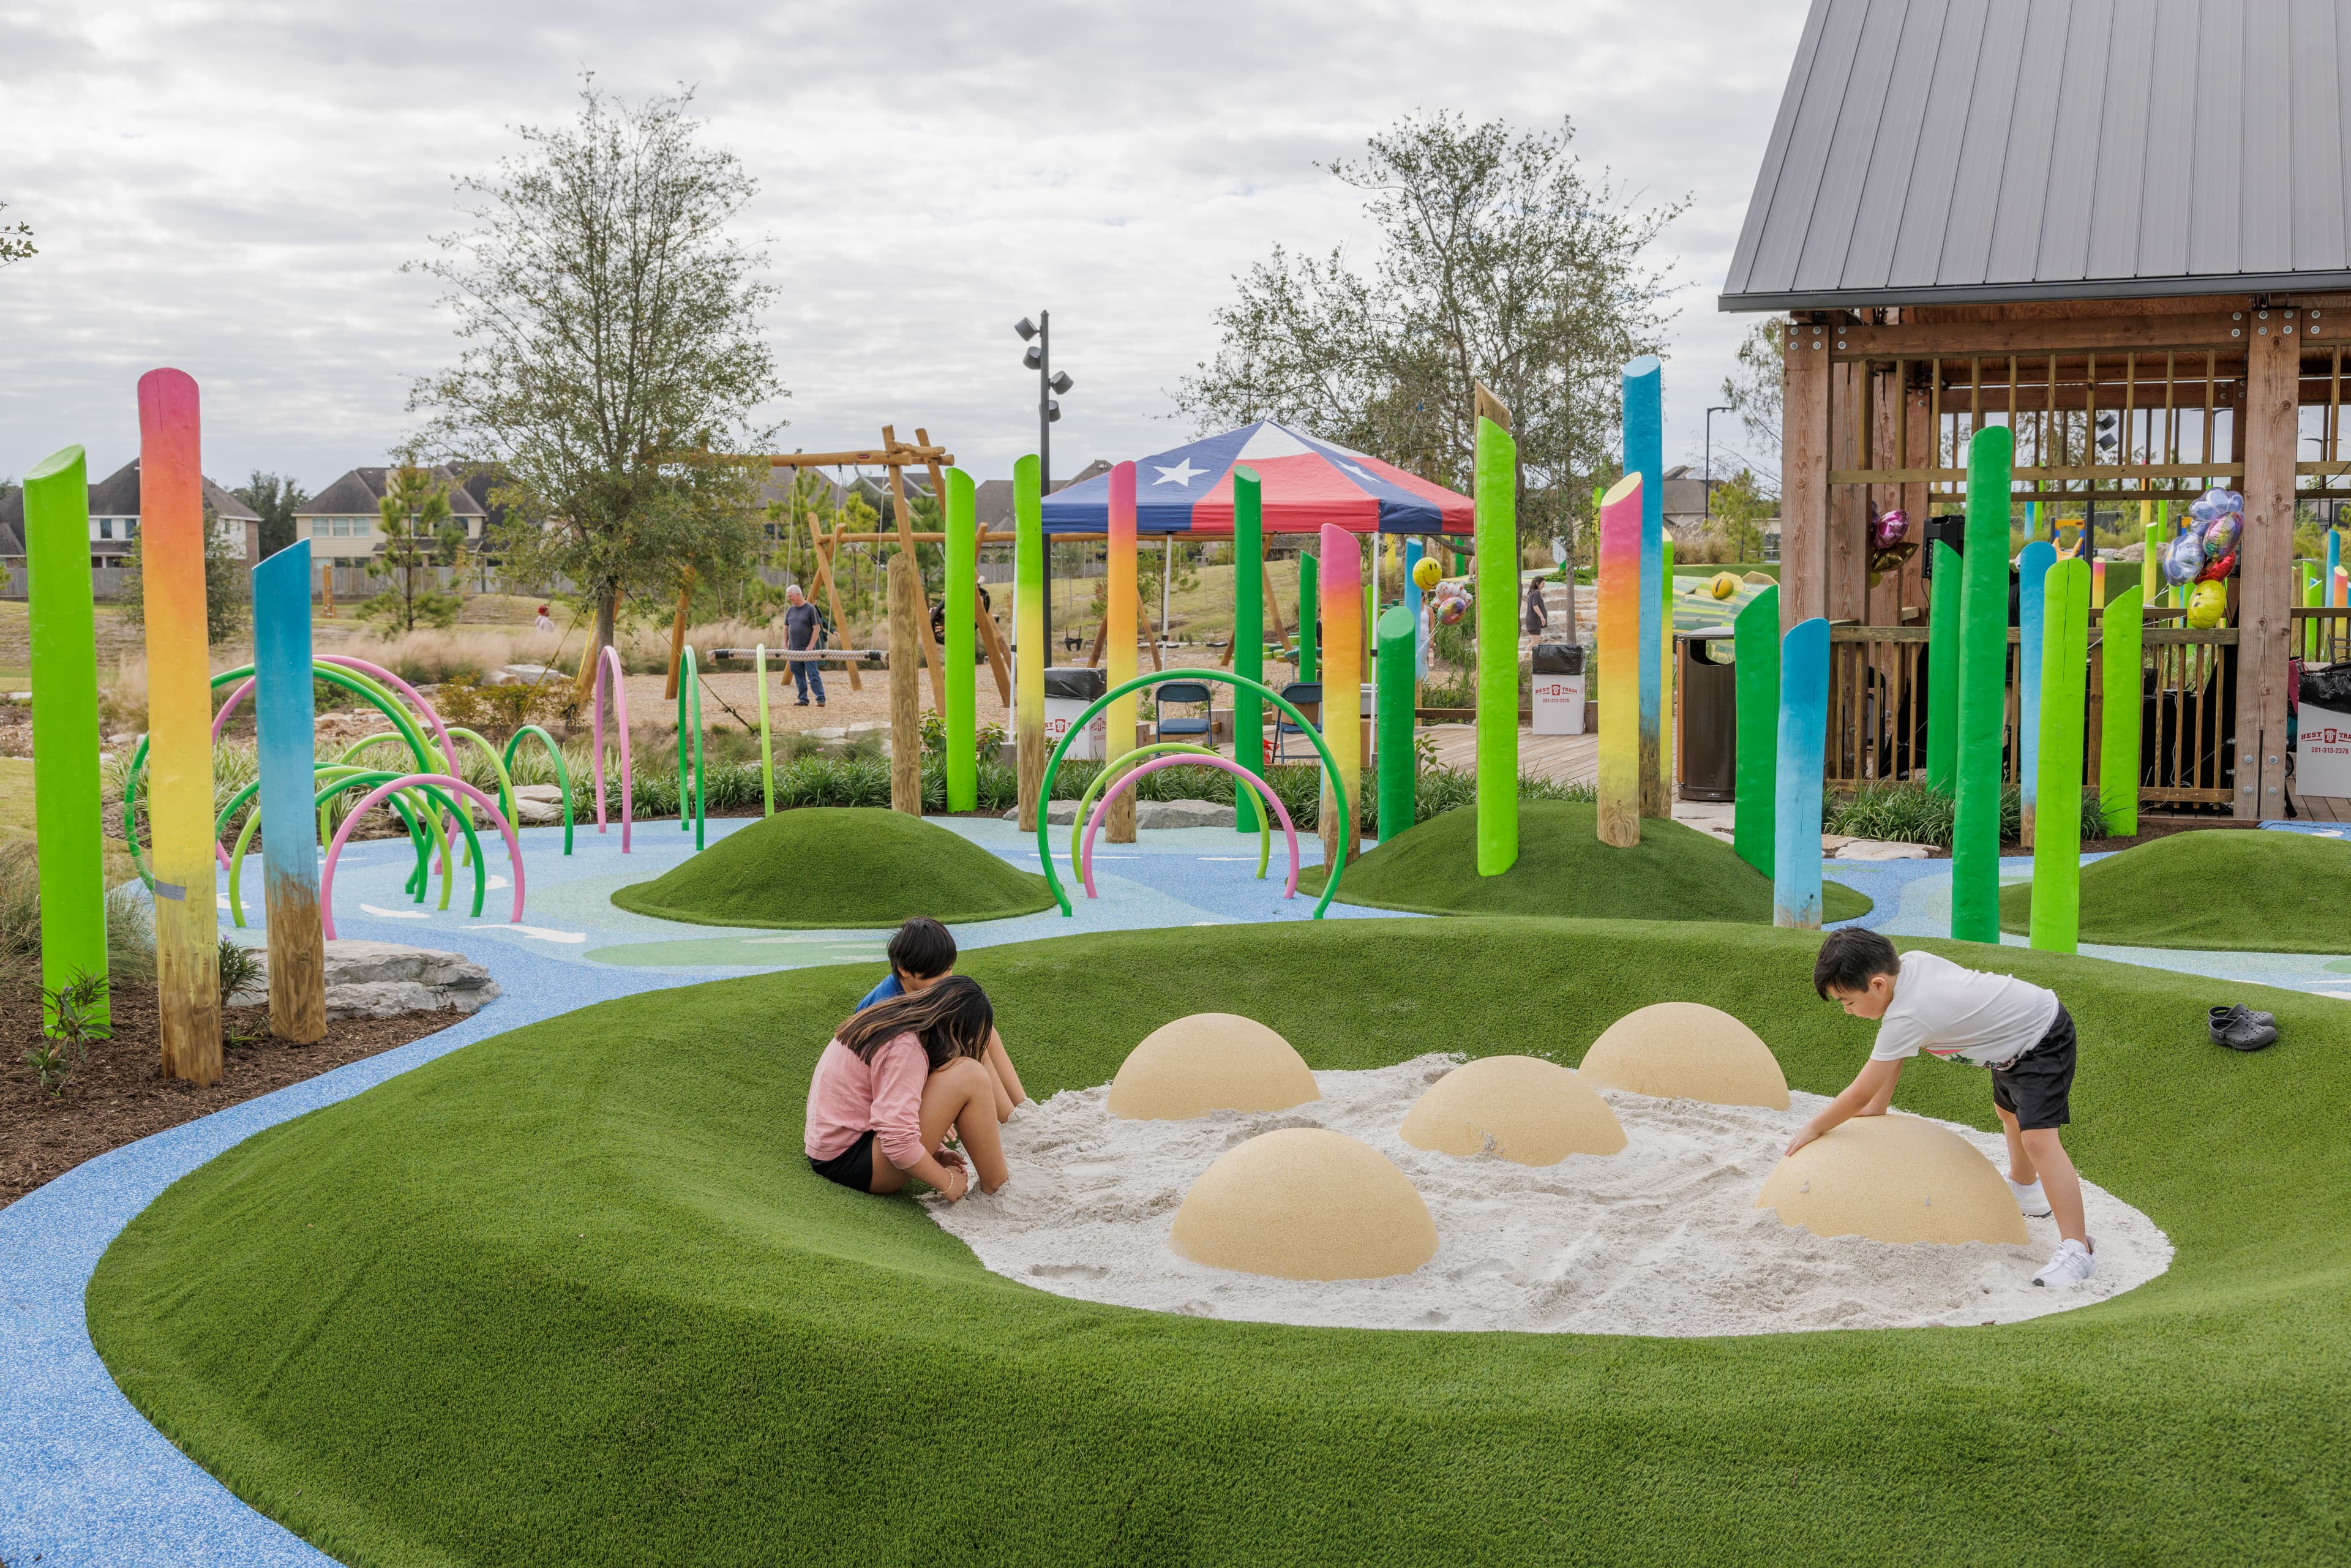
[416, 697]
[1182, 759]
[609, 662]
[439, 781]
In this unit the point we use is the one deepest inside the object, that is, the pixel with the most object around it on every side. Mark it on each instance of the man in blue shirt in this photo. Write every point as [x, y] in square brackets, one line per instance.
[922, 953]
[802, 628]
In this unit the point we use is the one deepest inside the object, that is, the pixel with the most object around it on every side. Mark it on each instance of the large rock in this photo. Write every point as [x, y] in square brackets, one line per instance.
[1147, 814]
[384, 979]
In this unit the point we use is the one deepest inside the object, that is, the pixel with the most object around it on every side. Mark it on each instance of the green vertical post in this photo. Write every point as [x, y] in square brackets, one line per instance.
[1392, 719]
[1498, 650]
[960, 652]
[1983, 690]
[1249, 637]
[2064, 696]
[2311, 599]
[65, 805]
[2119, 719]
[1756, 665]
[1943, 671]
[2151, 564]
[1310, 663]
[1030, 655]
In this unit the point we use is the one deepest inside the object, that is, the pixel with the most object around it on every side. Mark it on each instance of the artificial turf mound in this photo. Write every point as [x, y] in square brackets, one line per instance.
[823, 867]
[572, 1295]
[2226, 889]
[1674, 874]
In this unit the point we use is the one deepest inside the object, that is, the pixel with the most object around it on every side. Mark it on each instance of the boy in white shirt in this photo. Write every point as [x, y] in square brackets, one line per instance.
[2019, 1030]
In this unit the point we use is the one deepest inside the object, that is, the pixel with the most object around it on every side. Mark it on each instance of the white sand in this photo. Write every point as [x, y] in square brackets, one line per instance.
[1659, 1238]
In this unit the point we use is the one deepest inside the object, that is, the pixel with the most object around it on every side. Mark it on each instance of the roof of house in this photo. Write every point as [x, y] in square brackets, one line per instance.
[1953, 151]
[992, 499]
[117, 495]
[359, 491]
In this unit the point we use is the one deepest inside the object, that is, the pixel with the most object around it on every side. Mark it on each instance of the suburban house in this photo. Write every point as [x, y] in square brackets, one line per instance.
[992, 499]
[343, 521]
[114, 519]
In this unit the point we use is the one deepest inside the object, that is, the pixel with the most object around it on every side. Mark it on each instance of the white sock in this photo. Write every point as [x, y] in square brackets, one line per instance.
[2023, 1190]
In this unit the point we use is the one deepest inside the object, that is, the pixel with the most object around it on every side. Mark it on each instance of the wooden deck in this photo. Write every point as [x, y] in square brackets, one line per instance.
[1563, 758]
[2322, 807]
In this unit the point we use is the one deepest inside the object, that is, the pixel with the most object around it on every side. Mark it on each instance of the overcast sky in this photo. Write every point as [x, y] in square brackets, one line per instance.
[231, 189]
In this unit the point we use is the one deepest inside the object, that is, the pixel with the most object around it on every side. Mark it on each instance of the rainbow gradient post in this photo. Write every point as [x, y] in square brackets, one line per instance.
[1391, 715]
[179, 709]
[2032, 563]
[1943, 596]
[1249, 637]
[286, 734]
[1645, 454]
[2333, 566]
[68, 814]
[1756, 638]
[1619, 587]
[2065, 696]
[1341, 570]
[2123, 626]
[1029, 654]
[961, 651]
[1803, 742]
[1309, 619]
[1119, 616]
[1983, 689]
[1497, 649]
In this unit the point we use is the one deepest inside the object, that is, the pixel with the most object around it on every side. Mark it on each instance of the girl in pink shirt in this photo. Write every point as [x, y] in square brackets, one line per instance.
[897, 1077]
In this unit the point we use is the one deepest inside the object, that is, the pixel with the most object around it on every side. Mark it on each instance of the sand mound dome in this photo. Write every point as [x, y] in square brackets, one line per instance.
[1530, 1112]
[1305, 1204]
[1210, 1062]
[827, 867]
[1893, 1178]
[1675, 873]
[1686, 1050]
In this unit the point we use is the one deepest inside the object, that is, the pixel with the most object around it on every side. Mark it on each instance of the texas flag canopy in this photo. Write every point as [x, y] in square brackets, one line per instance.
[1306, 483]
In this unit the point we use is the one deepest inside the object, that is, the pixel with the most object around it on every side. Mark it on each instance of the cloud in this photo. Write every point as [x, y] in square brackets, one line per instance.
[231, 188]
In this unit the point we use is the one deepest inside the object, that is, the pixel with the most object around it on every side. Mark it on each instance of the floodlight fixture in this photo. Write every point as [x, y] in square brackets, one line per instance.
[1026, 328]
[1061, 381]
[1052, 410]
[1034, 358]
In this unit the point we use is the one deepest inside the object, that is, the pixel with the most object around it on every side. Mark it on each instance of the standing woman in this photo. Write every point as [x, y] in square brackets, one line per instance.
[895, 1081]
[1536, 617]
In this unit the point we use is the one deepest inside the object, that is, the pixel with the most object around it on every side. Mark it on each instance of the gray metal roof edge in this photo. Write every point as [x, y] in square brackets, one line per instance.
[2079, 288]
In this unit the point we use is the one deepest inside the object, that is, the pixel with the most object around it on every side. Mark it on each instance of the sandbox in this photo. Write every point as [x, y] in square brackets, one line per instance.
[1661, 1238]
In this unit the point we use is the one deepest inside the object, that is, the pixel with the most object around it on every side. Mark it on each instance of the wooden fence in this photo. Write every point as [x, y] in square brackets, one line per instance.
[1878, 678]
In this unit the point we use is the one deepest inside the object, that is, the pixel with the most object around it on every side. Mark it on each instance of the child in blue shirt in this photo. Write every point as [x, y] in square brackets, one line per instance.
[922, 953]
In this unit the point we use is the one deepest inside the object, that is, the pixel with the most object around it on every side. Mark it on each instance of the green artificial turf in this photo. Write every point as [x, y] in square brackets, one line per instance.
[1674, 874]
[572, 1295]
[2235, 890]
[821, 867]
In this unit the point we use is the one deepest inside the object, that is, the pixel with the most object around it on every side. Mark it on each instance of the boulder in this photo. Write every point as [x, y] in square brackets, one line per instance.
[383, 979]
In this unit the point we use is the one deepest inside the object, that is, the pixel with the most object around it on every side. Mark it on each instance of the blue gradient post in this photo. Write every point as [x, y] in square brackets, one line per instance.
[285, 729]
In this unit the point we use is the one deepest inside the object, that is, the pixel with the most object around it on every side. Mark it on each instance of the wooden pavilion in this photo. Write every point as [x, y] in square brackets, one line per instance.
[2120, 227]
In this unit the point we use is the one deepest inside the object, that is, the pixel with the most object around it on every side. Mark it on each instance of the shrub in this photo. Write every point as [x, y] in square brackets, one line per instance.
[1915, 814]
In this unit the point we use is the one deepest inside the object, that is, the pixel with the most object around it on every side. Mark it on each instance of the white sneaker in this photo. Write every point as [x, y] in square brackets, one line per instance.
[2031, 1199]
[2070, 1264]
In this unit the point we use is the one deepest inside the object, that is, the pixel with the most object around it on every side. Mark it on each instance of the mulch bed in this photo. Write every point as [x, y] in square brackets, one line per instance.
[118, 1095]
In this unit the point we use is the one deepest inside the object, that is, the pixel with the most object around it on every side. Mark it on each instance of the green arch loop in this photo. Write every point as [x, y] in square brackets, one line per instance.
[1222, 677]
[562, 773]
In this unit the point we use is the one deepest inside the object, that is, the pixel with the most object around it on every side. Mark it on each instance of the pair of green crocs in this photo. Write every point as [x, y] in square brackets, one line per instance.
[2239, 1028]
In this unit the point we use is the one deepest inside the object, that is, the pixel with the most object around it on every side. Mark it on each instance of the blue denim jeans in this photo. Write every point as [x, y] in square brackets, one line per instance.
[805, 677]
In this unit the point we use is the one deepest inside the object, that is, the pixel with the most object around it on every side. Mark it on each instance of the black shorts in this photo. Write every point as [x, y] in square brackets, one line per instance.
[2034, 1087]
[853, 1167]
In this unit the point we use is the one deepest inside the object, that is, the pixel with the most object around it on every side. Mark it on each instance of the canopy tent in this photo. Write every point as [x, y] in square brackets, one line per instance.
[1307, 482]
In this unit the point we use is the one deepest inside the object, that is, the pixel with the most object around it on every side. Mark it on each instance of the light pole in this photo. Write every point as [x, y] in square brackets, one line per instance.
[1708, 505]
[1038, 336]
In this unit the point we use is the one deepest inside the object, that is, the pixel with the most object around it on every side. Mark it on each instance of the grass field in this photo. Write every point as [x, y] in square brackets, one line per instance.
[1675, 874]
[2232, 890]
[834, 866]
[572, 1296]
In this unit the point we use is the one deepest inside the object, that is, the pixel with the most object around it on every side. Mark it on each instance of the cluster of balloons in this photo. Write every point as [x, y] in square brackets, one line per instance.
[2206, 550]
[1449, 602]
[1888, 529]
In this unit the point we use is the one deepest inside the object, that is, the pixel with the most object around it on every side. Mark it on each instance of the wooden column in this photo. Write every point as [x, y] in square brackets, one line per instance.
[678, 634]
[1847, 546]
[1919, 443]
[2265, 587]
[906, 620]
[1804, 476]
[907, 544]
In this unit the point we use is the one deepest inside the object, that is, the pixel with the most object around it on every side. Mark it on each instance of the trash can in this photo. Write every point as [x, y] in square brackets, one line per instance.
[1707, 751]
[1068, 692]
[1558, 673]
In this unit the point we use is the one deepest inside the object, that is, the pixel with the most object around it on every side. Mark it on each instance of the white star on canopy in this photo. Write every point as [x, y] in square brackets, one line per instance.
[1181, 474]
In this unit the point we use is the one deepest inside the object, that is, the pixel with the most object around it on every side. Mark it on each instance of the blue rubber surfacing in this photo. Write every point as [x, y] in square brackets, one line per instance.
[90, 1482]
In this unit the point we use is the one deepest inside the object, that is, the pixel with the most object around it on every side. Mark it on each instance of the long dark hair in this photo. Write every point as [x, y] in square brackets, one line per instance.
[951, 1019]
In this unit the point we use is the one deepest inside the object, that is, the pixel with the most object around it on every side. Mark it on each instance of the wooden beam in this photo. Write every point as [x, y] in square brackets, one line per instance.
[2264, 616]
[906, 543]
[1488, 406]
[1848, 545]
[2040, 335]
[898, 457]
[1804, 478]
